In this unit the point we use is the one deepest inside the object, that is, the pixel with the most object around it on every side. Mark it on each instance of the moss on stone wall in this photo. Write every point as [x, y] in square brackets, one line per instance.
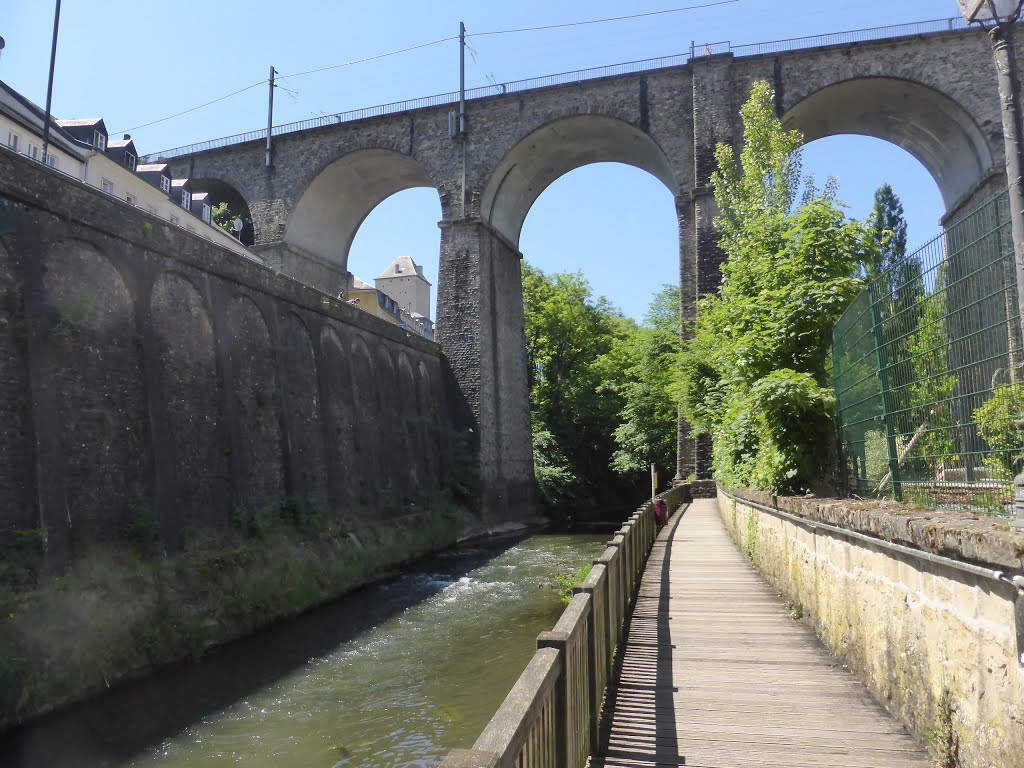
[935, 647]
[120, 609]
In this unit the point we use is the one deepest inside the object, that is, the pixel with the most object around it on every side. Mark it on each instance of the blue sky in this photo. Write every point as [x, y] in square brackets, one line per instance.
[134, 62]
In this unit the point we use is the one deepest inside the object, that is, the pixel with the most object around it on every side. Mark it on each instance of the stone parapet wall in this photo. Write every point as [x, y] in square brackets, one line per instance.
[939, 646]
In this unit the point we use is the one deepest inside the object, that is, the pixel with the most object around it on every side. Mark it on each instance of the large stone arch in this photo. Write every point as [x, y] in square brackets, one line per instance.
[557, 148]
[334, 204]
[927, 123]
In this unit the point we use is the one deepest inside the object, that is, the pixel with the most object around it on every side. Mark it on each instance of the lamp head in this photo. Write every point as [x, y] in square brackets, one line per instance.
[990, 10]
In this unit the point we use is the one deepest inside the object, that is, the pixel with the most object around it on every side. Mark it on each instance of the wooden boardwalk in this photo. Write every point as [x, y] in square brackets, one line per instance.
[716, 674]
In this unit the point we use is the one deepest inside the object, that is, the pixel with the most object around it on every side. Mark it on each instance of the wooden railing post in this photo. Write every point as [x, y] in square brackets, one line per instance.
[599, 654]
[619, 591]
[572, 718]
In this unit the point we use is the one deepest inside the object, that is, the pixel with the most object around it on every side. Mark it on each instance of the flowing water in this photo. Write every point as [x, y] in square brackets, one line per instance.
[393, 675]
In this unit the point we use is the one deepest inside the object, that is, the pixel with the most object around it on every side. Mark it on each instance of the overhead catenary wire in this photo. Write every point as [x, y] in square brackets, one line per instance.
[429, 44]
[193, 109]
[601, 21]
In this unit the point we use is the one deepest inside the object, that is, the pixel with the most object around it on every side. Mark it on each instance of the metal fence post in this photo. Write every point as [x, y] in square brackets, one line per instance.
[878, 331]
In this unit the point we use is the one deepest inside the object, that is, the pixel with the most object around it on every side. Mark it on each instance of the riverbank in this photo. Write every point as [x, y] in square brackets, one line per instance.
[380, 676]
[120, 610]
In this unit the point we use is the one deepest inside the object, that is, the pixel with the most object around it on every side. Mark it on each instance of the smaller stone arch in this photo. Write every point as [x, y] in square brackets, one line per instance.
[221, 191]
[338, 199]
[553, 150]
[928, 124]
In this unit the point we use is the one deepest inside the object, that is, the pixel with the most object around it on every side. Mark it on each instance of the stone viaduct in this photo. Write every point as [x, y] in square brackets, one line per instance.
[933, 94]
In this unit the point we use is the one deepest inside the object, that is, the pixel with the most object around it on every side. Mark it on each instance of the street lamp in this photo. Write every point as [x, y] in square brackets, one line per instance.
[1003, 14]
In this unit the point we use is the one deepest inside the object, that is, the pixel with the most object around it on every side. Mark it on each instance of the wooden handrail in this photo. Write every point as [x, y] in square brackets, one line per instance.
[551, 717]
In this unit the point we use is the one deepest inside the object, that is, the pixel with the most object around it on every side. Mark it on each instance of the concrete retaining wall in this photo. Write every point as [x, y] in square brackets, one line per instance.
[939, 647]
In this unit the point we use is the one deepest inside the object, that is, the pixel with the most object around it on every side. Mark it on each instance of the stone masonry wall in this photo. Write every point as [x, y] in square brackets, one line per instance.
[940, 648]
[148, 373]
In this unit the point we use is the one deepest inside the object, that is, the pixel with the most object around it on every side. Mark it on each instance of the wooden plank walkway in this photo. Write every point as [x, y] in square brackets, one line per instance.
[716, 674]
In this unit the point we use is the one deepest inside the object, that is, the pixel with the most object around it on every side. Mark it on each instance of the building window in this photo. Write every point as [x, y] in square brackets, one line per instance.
[12, 140]
[99, 141]
[107, 186]
[130, 198]
[51, 159]
[186, 199]
[165, 183]
[129, 161]
[207, 213]
[33, 151]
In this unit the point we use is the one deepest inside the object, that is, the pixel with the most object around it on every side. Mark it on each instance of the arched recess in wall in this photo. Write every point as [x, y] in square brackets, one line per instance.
[334, 205]
[302, 403]
[427, 411]
[192, 404]
[96, 371]
[339, 420]
[367, 440]
[410, 426]
[16, 477]
[237, 207]
[255, 388]
[394, 437]
[556, 149]
[928, 124]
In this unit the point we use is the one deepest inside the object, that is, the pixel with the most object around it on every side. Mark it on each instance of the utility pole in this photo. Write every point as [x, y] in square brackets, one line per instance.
[462, 77]
[270, 113]
[49, 83]
[462, 109]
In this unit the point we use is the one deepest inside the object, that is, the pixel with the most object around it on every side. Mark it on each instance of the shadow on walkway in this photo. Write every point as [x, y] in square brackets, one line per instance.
[640, 721]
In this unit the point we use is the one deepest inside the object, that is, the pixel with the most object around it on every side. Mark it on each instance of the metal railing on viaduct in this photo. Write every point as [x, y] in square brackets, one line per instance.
[575, 76]
[551, 717]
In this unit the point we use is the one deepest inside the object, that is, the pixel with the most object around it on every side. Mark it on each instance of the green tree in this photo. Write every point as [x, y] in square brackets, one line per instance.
[640, 370]
[224, 217]
[573, 409]
[888, 230]
[754, 374]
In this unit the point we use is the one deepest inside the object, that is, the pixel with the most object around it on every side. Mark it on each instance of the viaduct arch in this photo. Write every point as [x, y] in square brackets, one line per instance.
[931, 94]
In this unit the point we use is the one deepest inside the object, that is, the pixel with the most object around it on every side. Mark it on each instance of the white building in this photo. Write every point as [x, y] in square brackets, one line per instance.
[83, 150]
[404, 282]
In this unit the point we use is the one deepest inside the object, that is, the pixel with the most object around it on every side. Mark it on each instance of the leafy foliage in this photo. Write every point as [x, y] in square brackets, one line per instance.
[646, 433]
[224, 217]
[598, 389]
[754, 373]
[996, 420]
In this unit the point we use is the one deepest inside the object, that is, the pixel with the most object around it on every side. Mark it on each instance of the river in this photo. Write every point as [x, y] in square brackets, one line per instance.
[393, 675]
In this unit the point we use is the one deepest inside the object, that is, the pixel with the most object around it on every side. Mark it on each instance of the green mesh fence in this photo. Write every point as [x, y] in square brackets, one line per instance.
[929, 374]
